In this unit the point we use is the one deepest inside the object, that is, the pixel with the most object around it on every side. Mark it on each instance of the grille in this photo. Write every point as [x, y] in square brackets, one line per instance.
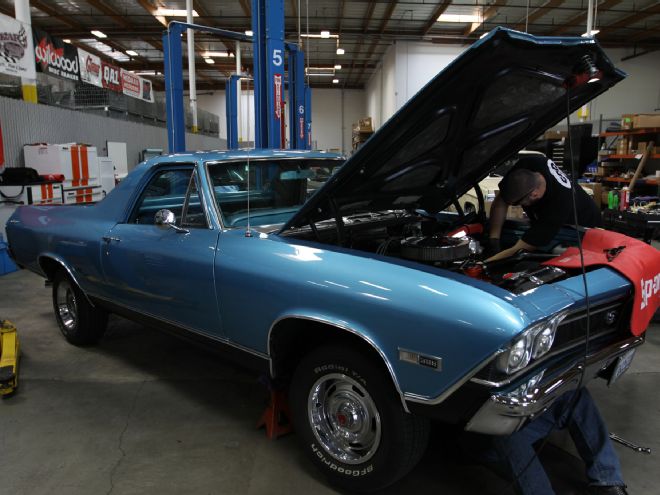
[608, 323]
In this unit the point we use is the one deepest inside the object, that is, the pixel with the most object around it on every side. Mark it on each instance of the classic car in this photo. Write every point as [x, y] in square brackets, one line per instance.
[359, 297]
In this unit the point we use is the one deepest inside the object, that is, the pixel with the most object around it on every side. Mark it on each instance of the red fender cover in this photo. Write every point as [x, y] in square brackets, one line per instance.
[637, 261]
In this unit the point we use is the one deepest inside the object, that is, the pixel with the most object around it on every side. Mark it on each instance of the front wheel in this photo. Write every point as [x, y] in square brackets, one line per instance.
[351, 421]
[80, 322]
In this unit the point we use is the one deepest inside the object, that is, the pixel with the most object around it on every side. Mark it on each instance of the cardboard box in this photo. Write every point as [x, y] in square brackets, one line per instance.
[555, 134]
[643, 120]
[594, 189]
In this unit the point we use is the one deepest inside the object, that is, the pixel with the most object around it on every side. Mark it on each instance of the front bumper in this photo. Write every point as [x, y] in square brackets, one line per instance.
[507, 411]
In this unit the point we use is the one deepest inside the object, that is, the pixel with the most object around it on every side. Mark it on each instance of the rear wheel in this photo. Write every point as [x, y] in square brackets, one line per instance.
[351, 421]
[80, 322]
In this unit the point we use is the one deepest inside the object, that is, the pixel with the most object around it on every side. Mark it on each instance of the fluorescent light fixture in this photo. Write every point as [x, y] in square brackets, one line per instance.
[209, 60]
[99, 34]
[325, 34]
[66, 40]
[340, 51]
[249, 32]
[337, 67]
[146, 73]
[335, 81]
[173, 12]
[217, 54]
[132, 53]
[594, 32]
[462, 18]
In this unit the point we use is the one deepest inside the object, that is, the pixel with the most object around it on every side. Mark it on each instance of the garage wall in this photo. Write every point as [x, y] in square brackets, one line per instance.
[333, 112]
[412, 64]
[24, 123]
[382, 89]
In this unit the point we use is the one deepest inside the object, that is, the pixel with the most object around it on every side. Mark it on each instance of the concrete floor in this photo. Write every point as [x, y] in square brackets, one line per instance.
[145, 413]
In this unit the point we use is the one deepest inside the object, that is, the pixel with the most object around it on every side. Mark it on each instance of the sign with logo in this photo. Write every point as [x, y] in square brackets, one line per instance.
[130, 84]
[111, 77]
[90, 68]
[16, 48]
[558, 174]
[277, 79]
[301, 121]
[55, 57]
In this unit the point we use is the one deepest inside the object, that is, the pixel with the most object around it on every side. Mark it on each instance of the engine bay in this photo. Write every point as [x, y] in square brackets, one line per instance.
[447, 241]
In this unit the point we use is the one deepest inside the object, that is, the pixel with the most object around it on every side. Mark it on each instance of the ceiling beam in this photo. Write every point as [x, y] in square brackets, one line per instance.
[538, 13]
[631, 19]
[442, 6]
[581, 18]
[247, 10]
[490, 12]
[648, 33]
[383, 25]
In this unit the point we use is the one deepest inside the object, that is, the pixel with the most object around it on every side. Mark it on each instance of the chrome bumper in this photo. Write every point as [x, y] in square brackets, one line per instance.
[506, 412]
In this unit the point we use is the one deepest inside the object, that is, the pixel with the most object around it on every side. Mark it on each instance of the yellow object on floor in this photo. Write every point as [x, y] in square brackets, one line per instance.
[9, 352]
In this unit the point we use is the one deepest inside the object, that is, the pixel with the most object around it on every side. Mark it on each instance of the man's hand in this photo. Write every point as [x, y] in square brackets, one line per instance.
[520, 244]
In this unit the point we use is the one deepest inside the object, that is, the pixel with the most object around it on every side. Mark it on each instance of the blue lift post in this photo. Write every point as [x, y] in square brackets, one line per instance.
[297, 105]
[176, 127]
[231, 99]
[268, 28]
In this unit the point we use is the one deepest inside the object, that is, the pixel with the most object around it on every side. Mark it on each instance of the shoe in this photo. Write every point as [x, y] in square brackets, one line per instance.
[606, 490]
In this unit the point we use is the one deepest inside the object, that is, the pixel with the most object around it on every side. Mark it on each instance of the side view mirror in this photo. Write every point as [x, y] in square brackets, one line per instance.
[165, 219]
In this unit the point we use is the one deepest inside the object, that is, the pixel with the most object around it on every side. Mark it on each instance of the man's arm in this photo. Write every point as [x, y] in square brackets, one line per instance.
[520, 244]
[497, 216]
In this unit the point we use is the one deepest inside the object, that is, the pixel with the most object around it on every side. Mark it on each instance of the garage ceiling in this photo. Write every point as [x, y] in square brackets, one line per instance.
[363, 28]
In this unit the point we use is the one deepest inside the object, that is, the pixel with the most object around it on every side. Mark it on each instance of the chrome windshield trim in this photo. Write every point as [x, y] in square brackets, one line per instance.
[388, 365]
[434, 401]
[216, 206]
[222, 340]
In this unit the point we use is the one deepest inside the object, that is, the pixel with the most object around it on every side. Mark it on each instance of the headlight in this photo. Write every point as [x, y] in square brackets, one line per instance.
[532, 344]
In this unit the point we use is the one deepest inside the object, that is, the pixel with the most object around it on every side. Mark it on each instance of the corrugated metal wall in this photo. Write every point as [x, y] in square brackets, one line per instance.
[26, 123]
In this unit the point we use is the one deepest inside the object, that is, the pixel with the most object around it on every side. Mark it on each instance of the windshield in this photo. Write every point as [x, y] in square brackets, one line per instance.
[277, 188]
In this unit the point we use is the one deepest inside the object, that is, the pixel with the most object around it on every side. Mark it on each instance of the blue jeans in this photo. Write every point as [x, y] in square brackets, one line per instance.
[587, 428]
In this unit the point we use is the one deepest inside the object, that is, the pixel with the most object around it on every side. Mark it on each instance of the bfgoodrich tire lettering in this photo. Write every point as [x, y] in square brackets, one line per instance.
[351, 422]
[80, 322]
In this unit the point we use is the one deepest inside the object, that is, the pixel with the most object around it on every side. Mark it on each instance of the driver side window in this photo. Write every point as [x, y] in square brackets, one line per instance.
[166, 190]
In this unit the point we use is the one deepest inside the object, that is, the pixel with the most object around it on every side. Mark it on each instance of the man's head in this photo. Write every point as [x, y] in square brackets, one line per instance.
[522, 187]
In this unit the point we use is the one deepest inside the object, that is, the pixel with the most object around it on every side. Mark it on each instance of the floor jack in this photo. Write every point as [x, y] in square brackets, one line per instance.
[277, 415]
[9, 353]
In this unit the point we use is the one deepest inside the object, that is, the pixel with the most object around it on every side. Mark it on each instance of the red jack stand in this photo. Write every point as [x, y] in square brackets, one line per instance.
[277, 416]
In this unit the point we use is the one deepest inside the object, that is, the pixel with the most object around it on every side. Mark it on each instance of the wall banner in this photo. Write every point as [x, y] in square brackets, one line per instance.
[90, 68]
[16, 48]
[111, 77]
[55, 57]
[130, 84]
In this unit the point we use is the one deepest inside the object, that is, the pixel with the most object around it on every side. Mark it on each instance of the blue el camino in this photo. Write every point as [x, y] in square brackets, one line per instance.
[355, 292]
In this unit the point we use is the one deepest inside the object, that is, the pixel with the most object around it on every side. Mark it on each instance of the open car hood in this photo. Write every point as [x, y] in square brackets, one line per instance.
[490, 102]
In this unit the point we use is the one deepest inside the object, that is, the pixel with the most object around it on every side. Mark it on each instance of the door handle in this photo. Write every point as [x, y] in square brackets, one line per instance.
[109, 239]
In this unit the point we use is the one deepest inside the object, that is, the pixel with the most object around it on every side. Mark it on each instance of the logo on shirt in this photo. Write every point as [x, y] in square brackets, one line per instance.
[558, 174]
[649, 289]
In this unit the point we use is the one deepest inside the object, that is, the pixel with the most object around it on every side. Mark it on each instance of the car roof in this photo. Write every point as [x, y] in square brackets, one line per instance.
[252, 153]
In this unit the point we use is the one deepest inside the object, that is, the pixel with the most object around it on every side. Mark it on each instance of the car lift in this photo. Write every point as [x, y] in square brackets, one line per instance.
[9, 354]
[269, 81]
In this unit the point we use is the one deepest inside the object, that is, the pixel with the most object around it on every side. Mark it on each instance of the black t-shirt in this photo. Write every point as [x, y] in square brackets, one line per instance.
[555, 208]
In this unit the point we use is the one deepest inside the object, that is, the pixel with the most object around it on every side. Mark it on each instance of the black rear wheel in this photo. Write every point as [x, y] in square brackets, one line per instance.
[351, 421]
[80, 322]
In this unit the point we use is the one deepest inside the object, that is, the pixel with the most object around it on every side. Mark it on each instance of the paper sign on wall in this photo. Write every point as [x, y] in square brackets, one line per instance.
[90, 68]
[111, 77]
[54, 57]
[130, 84]
[16, 48]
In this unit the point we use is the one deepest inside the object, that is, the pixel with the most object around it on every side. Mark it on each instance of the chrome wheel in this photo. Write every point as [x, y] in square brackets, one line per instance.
[67, 306]
[344, 418]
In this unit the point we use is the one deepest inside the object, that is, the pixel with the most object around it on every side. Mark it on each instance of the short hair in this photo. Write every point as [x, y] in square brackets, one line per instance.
[517, 184]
